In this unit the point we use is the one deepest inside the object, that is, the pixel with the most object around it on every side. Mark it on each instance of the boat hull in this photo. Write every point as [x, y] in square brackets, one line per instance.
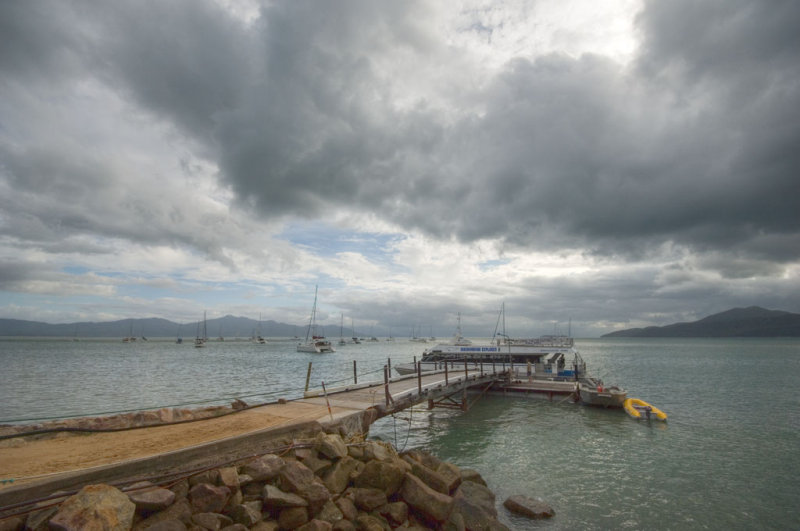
[639, 410]
[317, 347]
[600, 396]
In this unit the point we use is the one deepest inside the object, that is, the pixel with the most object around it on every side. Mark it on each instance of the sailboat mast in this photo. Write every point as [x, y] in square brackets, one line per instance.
[313, 313]
[503, 309]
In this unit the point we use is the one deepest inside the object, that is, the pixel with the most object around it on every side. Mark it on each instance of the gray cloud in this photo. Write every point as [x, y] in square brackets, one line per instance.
[316, 108]
[575, 152]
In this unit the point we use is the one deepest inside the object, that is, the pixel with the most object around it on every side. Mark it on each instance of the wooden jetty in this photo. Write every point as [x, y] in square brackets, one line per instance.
[39, 466]
[443, 388]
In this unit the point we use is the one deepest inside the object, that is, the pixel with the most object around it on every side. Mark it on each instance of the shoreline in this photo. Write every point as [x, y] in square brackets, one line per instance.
[348, 489]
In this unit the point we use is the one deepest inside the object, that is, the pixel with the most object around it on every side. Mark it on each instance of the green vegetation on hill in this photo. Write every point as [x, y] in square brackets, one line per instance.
[753, 321]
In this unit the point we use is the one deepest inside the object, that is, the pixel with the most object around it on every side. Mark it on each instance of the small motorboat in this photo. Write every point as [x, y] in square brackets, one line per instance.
[639, 409]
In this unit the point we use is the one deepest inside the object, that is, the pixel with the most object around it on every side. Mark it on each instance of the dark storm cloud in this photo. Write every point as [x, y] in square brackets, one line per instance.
[305, 112]
[575, 152]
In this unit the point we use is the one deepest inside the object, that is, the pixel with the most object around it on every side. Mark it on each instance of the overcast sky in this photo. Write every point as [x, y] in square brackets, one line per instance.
[618, 164]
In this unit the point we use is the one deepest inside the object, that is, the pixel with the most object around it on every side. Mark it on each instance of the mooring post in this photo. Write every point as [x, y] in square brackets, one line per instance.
[389, 363]
[419, 377]
[481, 366]
[355, 373]
[446, 382]
[466, 371]
[494, 371]
[308, 375]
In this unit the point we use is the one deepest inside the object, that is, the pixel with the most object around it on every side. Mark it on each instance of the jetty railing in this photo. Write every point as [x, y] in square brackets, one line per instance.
[438, 387]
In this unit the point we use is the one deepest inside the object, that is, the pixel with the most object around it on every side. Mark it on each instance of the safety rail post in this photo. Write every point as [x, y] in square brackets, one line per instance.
[325, 392]
[481, 367]
[466, 370]
[308, 375]
[446, 381]
[419, 377]
[355, 373]
[386, 384]
[494, 371]
[389, 363]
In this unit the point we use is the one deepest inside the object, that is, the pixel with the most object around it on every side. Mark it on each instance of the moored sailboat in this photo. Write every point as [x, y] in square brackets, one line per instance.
[200, 339]
[314, 343]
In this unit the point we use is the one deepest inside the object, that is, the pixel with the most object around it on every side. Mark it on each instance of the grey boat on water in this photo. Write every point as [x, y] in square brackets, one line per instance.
[549, 365]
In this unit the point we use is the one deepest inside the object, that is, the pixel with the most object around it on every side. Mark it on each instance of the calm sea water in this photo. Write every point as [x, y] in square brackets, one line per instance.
[728, 458]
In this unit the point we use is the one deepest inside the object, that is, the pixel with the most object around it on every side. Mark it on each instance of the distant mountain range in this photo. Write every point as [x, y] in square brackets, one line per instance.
[228, 326]
[738, 322]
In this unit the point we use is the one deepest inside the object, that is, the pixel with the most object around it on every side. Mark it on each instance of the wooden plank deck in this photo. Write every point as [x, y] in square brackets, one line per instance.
[404, 391]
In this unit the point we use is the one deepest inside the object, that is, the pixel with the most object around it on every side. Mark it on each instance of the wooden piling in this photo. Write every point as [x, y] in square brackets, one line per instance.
[308, 375]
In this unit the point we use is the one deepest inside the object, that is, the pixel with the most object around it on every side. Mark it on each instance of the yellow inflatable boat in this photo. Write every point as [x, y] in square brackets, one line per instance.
[639, 409]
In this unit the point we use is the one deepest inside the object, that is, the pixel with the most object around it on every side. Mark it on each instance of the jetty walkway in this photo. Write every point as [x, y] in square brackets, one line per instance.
[34, 467]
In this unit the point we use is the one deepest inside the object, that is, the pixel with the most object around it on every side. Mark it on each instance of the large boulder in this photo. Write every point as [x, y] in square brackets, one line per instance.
[424, 458]
[421, 498]
[317, 465]
[366, 522]
[275, 498]
[477, 495]
[213, 521]
[383, 475]
[317, 495]
[530, 507]
[293, 517]
[430, 477]
[330, 445]
[295, 477]
[149, 498]
[348, 508]
[95, 507]
[451, 474]
[207, 498]
[395, 512]
[179, 511]
[467, 474]
[338, 476]
[209, 476]
[379, 451]
[246, 514]
[474, 516]
[367, 499]
[265, 468]
[330, 513]
[229, 477]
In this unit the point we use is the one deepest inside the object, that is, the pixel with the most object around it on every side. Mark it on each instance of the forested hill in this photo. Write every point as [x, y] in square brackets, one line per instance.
[738, 322]
[228, 326]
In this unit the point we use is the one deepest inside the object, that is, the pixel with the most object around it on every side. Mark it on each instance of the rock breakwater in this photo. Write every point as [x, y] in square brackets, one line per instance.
[320, 484]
